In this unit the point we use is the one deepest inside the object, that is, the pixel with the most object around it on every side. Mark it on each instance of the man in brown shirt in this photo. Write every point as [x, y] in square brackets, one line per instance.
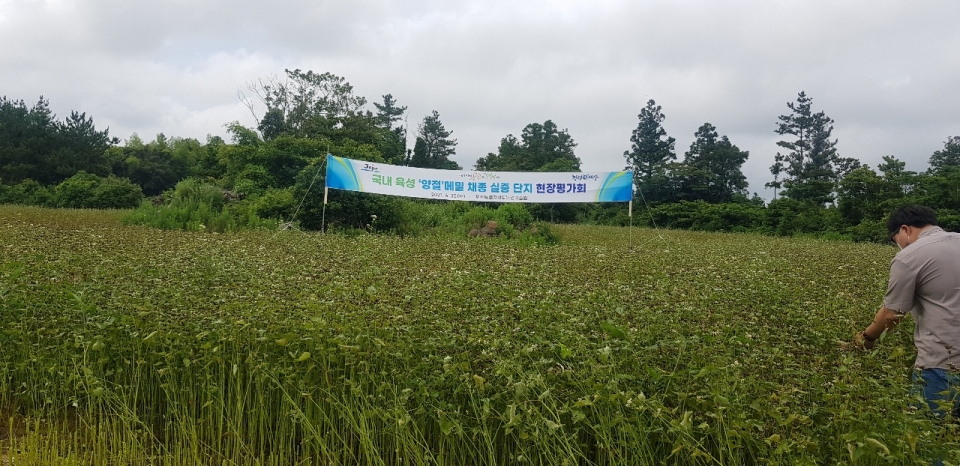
[925, 281]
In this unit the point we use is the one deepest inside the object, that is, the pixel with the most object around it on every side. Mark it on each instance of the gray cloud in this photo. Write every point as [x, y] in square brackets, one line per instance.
[885, 71]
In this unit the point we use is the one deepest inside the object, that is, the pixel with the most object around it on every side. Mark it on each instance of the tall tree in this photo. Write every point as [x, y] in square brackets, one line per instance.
[34, 145]
[812, 166]
[82, 147]
[300, 97]
[272, 125]
[394, 145]
[899, 180]
[434, 145]
[389, 113]
[948, 158]
[939, 187]
[151, 165]
[716, 164]
[776, 170]
[541, 147]
[651, 150]
[862, 195]
[28, 138]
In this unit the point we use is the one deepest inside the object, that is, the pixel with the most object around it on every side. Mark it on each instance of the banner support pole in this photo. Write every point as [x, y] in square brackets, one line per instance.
[630, 214]
[323, 217]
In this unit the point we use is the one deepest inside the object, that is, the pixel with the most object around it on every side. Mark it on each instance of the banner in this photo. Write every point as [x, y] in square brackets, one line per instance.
[458, 185]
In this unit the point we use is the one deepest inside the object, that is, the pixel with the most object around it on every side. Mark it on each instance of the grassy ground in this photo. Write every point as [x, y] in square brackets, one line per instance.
[132, 345]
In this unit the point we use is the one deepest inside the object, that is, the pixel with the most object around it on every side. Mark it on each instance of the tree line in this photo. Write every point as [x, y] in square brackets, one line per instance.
[265, 175]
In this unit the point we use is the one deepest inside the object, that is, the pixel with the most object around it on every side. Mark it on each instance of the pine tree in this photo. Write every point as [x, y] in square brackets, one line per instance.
[434, 146]
[651, 150]
[812, 167]
[716, 163]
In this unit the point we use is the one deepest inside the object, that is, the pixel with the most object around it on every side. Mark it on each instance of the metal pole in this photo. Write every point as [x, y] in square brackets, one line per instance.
[630, 214]
[323, 217]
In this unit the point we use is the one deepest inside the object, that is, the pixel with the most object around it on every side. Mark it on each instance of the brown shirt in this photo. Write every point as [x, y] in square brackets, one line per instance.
[925, 280]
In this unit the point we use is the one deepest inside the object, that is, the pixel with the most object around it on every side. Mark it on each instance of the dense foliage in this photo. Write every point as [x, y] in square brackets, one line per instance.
[272, 176]
[127, 345]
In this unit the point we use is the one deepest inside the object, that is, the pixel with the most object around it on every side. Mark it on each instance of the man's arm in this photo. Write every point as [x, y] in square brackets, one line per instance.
[886, 319]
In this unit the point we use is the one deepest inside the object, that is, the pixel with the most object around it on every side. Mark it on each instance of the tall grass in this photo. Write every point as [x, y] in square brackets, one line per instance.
[197, 206]
[127, 345]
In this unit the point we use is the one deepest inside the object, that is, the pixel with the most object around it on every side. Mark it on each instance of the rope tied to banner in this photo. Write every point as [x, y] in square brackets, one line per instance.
[289, 225]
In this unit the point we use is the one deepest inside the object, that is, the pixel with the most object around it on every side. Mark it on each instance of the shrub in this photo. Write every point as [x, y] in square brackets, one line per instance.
[949, 220]
[868, 231]
[88, 191]
[540, 234]
[612, 214]
[515, 215]
[198, 206]
[26, 192]
[76, 191]
[116, 193]
[278, 204]
[193, 193]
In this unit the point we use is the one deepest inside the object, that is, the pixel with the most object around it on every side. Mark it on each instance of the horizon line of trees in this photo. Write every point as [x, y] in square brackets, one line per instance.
[69, 163]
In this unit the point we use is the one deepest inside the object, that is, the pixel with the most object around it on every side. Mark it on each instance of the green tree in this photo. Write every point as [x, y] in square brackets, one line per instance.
[394, 135]
[33, 144]
[940, 190]
[434, 147]
[300, 97]
[812, 167]
[81, 147]
[861, 195]
[273, 124]
[650, 152]
[206, 163]
[28, 140]
[541, 147]
[776, 170]
[151, 165]
[346, 209]
[949, 157]
[389, 113]
[714, 168]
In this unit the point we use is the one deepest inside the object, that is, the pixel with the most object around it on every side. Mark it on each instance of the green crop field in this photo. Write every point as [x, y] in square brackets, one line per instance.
[128, 345]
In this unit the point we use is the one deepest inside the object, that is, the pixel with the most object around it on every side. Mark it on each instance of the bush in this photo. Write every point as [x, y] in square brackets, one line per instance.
[515, 215]
[868, 231]
[192, 193]
[198, 206]
[116, 193]
[88, 191]
[75, 192]
[278, 204]
[540, 234]
[788, 217]
[728, 217]
[26, 192]
[948, 219]
[345, 210]
[611, 214]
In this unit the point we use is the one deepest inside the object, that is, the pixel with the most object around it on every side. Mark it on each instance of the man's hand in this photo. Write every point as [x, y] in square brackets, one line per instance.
[863, 342]
[859, 343]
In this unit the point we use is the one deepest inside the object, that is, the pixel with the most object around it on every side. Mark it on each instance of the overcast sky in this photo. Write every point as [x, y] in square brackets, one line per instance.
[888, 72]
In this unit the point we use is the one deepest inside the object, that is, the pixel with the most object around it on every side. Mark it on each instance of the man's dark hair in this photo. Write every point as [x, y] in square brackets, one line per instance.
[911, 215]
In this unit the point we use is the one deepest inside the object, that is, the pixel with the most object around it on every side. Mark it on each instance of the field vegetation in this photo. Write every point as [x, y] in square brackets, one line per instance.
[122, 344]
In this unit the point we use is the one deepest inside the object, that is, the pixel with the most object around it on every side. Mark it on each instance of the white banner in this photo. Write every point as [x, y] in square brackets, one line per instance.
[458, 185]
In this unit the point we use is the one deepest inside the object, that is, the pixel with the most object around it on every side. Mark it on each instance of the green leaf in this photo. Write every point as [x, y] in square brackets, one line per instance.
[612, 330]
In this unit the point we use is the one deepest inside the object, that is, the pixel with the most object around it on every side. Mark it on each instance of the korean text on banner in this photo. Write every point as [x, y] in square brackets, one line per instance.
[532, 187]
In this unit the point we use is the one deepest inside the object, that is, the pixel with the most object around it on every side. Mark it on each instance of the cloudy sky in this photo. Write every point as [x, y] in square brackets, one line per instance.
[888, 72]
